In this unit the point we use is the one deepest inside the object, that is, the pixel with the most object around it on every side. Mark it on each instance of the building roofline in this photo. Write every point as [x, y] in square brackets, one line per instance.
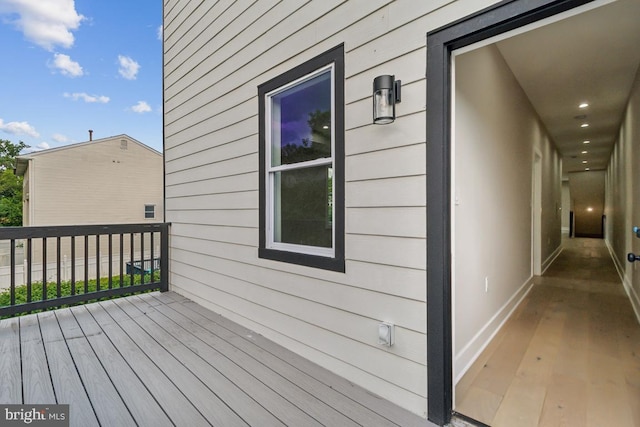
[23, 160]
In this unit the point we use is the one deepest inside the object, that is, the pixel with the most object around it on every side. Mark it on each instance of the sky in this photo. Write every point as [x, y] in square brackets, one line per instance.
[70, 66]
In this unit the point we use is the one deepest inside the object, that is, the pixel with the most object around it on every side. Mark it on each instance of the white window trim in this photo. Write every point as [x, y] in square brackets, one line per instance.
[271, 170]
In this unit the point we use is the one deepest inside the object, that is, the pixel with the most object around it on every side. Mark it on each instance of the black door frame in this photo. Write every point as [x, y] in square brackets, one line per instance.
[500, 18]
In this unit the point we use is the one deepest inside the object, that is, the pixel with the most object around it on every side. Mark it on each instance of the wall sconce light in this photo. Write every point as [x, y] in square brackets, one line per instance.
[386, 94]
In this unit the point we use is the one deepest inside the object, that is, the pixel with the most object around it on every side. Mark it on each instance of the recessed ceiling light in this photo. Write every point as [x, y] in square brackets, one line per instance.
[589, 209]
[587, 169]
[584, 161]
[586, 142]
[584, 125]
[583, 105]
[585, 152]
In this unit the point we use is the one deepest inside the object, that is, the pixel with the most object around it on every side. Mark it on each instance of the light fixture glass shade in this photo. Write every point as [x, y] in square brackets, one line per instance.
[384, 100]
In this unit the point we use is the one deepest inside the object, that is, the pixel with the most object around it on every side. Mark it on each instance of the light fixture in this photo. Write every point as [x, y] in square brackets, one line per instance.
[584, 125]
[589, 209]
[583, 105]
[584, 161]
[386, 94]
[586, 142]
[584, 152]
[587, 169]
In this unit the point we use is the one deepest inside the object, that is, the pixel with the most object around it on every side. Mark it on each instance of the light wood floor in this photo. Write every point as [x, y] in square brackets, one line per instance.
[569, 355]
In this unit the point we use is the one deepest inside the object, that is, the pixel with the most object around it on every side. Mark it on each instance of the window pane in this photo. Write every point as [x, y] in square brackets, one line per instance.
[303, 207]
[301, 122]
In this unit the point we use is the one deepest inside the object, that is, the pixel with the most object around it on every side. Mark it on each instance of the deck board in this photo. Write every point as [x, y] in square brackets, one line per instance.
[10, 386]
[159, 359]
[66, 380]
[36, 382]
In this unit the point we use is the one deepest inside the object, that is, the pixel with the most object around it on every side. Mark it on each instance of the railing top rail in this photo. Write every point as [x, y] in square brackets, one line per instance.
[7, 233]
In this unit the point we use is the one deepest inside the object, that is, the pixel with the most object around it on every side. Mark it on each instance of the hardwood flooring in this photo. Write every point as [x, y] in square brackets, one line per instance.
[568, 356]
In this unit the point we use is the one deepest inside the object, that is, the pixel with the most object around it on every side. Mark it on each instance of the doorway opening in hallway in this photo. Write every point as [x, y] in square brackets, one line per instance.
[543, 121]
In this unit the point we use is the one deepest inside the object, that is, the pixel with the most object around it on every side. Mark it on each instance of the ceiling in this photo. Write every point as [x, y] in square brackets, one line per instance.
[591, 57]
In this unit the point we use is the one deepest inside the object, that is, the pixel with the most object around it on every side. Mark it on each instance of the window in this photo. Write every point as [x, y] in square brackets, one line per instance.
[302, 164]
[149, 211]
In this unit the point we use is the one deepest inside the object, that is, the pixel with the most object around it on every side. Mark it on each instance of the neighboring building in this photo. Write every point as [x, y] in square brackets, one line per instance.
[105, 181]
[295, 216]
[115, 180]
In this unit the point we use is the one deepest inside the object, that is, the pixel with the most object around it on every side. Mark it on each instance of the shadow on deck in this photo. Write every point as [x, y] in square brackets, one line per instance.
[159, 359]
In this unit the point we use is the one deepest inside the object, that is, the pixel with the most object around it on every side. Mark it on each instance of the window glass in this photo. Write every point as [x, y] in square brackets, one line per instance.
[303, 207]
[301, 121]
[149, 211]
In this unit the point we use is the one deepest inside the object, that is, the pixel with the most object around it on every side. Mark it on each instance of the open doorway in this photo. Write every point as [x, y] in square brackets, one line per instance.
[497, 189]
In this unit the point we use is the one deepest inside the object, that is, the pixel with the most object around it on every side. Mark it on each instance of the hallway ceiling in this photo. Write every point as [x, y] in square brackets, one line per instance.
[590, 57]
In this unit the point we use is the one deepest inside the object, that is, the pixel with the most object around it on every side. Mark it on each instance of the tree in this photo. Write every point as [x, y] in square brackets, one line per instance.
[10, 184]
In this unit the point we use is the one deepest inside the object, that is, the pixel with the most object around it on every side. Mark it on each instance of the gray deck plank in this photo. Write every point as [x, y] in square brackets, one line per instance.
[301, 396]
[10, 371]
[36, 382]
[214, 350]
[283, 362]
[106, 401]
[160, 359]
[213, 409]
[226, 390]
[174, 403]
[142, 405]
[66, 381]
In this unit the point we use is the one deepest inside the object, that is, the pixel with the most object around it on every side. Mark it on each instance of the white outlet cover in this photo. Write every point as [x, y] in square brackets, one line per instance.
[385, 334]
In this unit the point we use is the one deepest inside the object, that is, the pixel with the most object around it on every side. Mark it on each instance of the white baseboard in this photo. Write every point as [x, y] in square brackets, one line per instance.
[565, 230]
[479, 342]
[633, 296]
[550, 259]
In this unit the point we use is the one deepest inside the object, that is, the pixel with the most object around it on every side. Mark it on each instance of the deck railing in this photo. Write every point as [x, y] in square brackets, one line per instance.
[54, 266]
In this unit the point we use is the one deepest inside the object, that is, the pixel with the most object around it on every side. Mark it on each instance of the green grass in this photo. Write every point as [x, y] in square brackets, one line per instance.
[65, 289]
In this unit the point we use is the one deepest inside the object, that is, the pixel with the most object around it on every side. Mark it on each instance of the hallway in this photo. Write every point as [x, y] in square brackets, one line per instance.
[568, 356]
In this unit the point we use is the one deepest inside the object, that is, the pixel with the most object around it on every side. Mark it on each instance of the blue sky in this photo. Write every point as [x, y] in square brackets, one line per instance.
[70, 66]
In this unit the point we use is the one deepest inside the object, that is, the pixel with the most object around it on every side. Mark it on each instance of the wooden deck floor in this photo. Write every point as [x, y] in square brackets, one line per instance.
[162, 360]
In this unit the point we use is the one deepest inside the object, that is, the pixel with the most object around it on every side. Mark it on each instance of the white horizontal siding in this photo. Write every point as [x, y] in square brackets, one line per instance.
[215, 57]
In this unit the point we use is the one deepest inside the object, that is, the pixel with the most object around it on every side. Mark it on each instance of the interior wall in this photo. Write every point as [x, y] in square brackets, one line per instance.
[623, 197]
[495, 134]
[587, 194]
[566, 207]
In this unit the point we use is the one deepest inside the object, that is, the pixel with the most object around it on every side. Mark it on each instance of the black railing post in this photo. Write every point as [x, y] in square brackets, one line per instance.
[164, 258]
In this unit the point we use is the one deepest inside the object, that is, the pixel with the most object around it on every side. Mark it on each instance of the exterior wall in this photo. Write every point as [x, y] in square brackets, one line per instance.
[93, 183]
[622, 206]
[497, 133]
[215, 56]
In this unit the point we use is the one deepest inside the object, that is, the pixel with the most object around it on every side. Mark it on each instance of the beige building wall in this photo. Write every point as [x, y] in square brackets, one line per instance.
[497, 136]
[105, 181]
[622, 206]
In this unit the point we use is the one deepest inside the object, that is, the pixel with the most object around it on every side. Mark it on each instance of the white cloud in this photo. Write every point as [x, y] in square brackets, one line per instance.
[87, 98]
[66, 65]
[19, 128]
[46, 23]
[43, 146]
[141, 107]
[59, 138]
[160, 31]
[128, 67]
